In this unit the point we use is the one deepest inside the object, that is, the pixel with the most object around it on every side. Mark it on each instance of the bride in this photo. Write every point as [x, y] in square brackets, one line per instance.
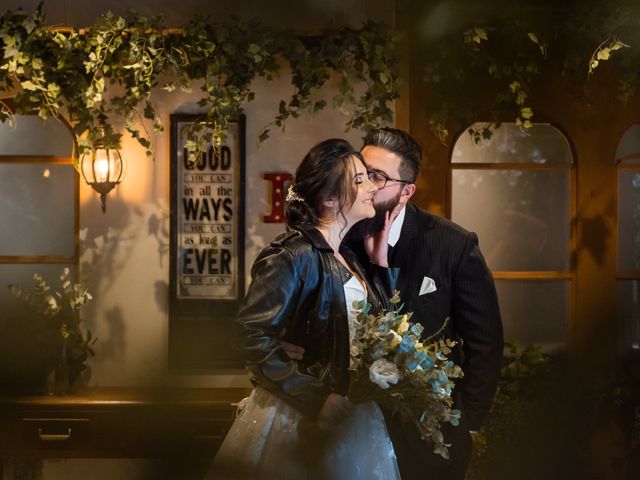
[298, 422]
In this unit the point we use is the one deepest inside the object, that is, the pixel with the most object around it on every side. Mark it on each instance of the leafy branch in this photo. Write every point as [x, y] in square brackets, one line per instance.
[505, 51]
[102, 77]
[604, 50]
[57, 312]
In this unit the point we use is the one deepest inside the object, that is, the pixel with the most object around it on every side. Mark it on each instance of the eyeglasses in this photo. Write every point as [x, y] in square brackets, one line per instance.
[380, 179]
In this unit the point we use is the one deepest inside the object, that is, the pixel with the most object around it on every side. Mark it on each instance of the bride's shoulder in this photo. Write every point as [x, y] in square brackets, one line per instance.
[293, 241]
[290, 238]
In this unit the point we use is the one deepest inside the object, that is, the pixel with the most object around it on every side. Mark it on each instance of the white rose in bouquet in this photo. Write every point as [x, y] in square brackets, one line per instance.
[382, 372]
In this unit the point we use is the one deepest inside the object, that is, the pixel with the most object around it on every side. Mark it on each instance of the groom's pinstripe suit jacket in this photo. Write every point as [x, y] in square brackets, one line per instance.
[434, 247]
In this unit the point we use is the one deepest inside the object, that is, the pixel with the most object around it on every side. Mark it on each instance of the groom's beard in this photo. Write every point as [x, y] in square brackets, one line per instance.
[373, 225]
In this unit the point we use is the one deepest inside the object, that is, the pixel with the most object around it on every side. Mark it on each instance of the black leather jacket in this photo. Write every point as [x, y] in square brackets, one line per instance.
[297, 285]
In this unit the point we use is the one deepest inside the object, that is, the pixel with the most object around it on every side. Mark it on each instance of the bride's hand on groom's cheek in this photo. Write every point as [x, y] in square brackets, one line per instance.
[377, 245]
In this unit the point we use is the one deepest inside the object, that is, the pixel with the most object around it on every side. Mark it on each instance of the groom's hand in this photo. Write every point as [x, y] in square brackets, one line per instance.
[294, 352]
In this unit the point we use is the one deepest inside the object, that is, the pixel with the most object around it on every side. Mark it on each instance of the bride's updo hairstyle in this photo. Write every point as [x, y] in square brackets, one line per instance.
[326, 172]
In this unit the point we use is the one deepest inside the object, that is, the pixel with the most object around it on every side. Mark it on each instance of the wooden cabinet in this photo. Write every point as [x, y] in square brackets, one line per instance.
[118, 423]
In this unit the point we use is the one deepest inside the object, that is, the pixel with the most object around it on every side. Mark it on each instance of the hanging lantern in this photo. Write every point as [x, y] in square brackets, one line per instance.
[102, 168]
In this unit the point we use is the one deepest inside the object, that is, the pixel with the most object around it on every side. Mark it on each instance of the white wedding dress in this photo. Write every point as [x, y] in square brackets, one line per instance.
[265, 442]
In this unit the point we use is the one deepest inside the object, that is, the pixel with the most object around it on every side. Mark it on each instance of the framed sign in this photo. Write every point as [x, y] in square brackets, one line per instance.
[206, 275]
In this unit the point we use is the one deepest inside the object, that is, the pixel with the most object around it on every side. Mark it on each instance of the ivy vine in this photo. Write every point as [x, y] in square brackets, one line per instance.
[504, 50]
[102, 77]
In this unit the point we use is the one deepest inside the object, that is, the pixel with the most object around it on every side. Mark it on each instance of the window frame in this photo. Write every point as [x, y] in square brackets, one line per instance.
[49, 259]
[536, 275]
[621, 165]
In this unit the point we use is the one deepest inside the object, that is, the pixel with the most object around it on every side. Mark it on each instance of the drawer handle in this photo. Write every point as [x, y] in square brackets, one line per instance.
[49, 437]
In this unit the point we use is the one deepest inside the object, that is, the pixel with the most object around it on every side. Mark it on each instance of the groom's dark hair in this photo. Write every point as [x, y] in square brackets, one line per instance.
[402, 144]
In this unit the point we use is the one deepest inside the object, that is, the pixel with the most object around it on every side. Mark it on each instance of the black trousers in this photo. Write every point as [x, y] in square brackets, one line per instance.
[416, 459]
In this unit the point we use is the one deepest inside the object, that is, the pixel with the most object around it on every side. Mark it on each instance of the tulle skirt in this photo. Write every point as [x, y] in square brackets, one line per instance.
[270, 440]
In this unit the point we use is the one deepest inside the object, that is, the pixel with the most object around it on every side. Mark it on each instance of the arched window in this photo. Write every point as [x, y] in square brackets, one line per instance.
[516, 191]
[38, 202]
[628, 264]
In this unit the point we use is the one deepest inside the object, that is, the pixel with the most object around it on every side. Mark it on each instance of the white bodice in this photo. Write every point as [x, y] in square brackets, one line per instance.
[353, 292]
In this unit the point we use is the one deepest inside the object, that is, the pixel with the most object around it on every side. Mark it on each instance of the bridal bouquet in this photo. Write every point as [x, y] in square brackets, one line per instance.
[413, 378]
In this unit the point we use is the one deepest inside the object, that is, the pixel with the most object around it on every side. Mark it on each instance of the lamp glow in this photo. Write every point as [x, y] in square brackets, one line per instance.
[102, 169]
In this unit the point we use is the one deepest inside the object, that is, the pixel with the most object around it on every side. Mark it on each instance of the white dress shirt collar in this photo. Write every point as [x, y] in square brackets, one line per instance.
[396, 228]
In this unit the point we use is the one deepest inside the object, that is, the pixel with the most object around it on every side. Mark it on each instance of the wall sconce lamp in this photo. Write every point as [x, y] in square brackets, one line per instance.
[102, 168]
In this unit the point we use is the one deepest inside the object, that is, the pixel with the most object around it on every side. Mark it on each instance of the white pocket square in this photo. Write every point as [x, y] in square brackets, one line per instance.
[428, 286]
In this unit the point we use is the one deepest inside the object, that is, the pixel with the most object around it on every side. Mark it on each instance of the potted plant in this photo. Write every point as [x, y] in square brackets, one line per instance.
[51, 346]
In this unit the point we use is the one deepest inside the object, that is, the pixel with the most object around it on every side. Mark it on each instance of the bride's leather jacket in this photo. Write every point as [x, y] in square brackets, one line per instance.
[297, 295]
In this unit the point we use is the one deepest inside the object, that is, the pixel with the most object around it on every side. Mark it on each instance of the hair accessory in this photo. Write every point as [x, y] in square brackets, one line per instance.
[292, 195]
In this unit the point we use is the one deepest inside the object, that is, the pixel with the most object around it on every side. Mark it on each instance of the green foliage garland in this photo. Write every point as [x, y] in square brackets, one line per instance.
[104, 75]
[503, 47]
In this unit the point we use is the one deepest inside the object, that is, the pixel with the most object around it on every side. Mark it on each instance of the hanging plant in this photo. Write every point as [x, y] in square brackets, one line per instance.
[105, 74]
[504, 51]
[367, 57]
[505, 58]
[227, 58]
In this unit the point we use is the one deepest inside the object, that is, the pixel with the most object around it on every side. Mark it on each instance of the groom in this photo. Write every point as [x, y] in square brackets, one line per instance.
[442, 275]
